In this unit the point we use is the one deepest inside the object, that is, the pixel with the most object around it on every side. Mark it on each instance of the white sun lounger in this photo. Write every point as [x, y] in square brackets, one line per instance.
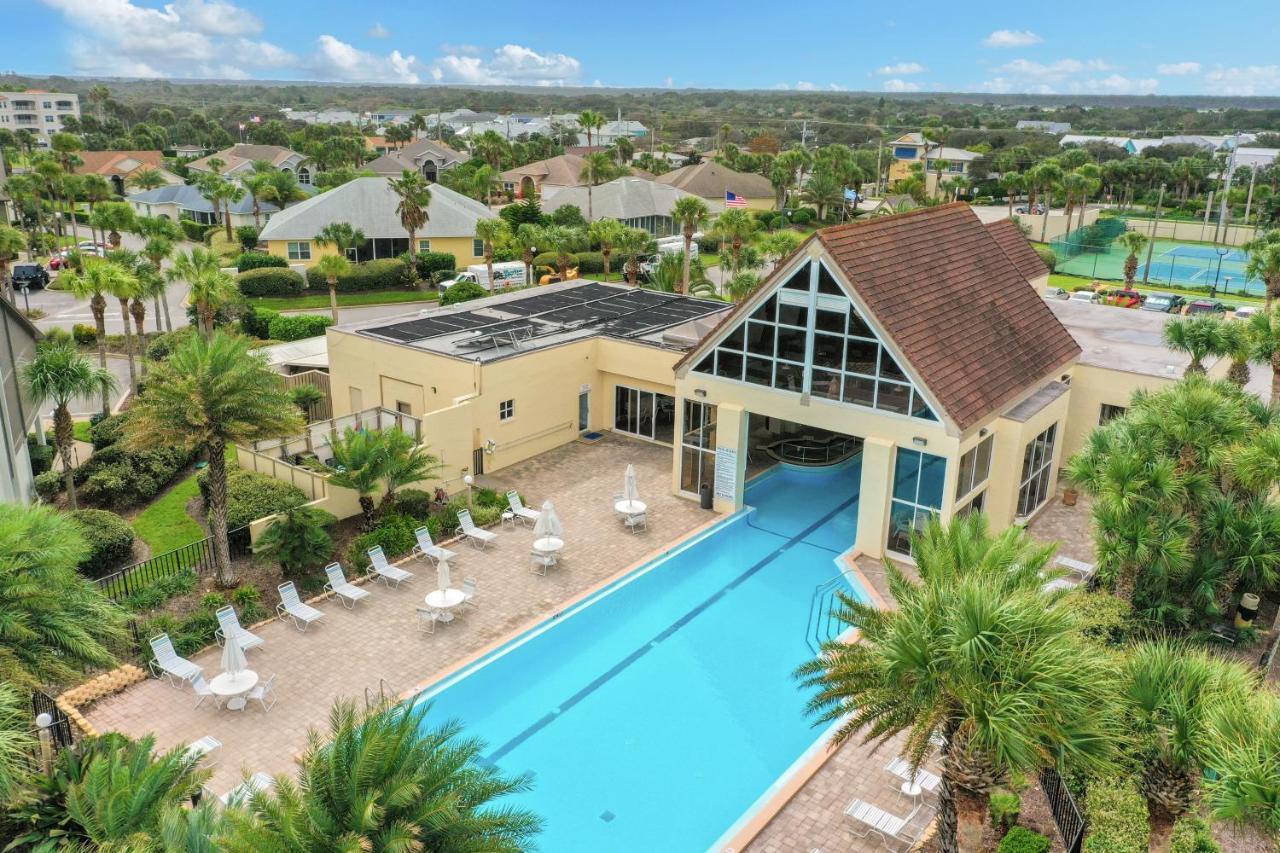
[203, 750]
[290, 605]
[338, 584]
[168, 663]
[871, 820]
[478, 537]
[229, 627]
[241, 793]
[519, 509]
[382, 570]
[427, 549]
[1077, 567]
[901, 768]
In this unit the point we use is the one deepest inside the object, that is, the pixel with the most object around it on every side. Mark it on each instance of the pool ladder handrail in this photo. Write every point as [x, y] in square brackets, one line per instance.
[384, 694]
[818, 628]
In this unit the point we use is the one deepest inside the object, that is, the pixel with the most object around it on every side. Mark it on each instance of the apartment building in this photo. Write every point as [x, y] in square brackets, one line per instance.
[39, 111]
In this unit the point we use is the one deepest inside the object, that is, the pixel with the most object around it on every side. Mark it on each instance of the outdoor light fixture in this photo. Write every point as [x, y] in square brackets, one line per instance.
[920, 441]
[982, 433]
[699, 392]
[490, 446]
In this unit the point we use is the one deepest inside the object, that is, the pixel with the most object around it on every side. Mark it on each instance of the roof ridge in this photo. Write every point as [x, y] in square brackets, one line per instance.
[896, 218]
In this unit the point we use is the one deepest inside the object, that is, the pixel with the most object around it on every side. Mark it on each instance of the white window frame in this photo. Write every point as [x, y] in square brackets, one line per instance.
[973, 479]
[477, 248]
[1037, 461]
[506, 410]
[424, 245]
[298, 250]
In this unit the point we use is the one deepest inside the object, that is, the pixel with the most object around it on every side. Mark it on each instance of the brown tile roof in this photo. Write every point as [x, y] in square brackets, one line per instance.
[1016, 246]
[241, 153]
[109, 163]
[561, 171]
[957, 307]
[709, 179]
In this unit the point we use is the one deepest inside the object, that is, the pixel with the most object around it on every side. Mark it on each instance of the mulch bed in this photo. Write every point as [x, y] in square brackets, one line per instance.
[1035, 815]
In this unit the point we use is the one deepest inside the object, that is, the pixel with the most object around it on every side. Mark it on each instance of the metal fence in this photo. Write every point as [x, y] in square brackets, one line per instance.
[196, 557]
[1066, 814]
[61, 732]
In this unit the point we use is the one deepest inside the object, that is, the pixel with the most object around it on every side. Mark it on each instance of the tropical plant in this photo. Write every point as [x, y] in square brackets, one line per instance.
[492, 232]
[597, 168]
[975, 654]
[210, 287]
[94, 282]
[528, 237]
[1244, 752]
[691, 214]
[632, 245]
[16, 742]
[1235, 341]
[112, 217]
[55, 622]
[1134, 242]
[357, 465]
[741, 286]
[1199, 336]
[605, 234]
[147, 178]
[212, 393]
[12, 241]
[221, 193]
[342, 235]
[591, 121]
[404, 462]
[333, 267]
[415, 199]
[735, 227]
[564, 241]
[124, 286]
[667, 272]
[1264, 263]
[298, 539]
[59, 374]
[383, 780]
[779, 244]
[1263, 334]
[306, 397]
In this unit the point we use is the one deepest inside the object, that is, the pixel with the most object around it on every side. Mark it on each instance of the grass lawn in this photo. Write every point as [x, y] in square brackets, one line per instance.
[321, 300]
[1071, 282]
[228, 249]
[81, 429]
[165, 525]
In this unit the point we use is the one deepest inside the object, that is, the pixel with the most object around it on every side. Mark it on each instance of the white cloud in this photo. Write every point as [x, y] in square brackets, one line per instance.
[508, 64]
[1012, 38]
[897, 85]
[669, 83]
[1248, 80]
[805, 86]
[337, 60]
[216, 17]
[1075, 76]
[901, 68]
[377, 31]
[1052, 71]
[1115, 84]
[1178, 69]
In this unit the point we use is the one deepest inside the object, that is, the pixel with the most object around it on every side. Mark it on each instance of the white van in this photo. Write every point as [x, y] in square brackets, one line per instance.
[507, 274]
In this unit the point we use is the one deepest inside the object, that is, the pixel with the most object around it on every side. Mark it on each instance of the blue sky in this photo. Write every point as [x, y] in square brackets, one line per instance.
[1174, 47]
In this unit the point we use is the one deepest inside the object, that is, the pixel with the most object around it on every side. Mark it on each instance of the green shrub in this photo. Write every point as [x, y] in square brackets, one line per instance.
[41, 454]
[255, 321]
[298, 539]
[548, 259]
[802, 216]
[115, 477]
[384, 274]
[192, 230]
[213, 601]
[591, 263]
[295, 327]
[252, 496]
[1117, 816]
[1191, 834]
[426, 263]
[395, 535]
[708, 244]
[108, 431]
[247, 599]
[48, 486]
[110, 540]
[84, 334]
[1023, 840]
[247, 236]
[1048, 256]
[443, 275]
[162, 346]
[1005, 808]
[463, 291]
[270, 281]
[257, 260]
[413, 503]
[158, 592]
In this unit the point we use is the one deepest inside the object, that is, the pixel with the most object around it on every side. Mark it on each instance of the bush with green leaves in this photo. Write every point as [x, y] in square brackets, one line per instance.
[110, 540]
[298, 539]
[192, 230]
[295, 327]
[1005, 808]
[1047, 255]
[108, 431]
[270, 281]
[1191, 834]
[41, 454]
[383, 274]
[414, 503]
[247, 600]
[253, 496]
[247, 236]
[1022, 840]
[255, 321]
[159, 591]
[115, 477]
[162, 345]
[257, 260]
[708, 243]
[427, 263]
[1117, 816]
[548, 259]
[84, 334]
[49, 485]
[395, 534]
[463, 291]
[592, 263]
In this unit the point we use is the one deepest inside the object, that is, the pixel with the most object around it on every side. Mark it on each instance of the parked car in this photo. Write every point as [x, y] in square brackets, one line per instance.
[1169, 303]
[30, 275]
[1083, 296]
[87, 245]
[1036, 209]
[1121, 298]
[1244, 312]
[1205, 306]
[1056, 293]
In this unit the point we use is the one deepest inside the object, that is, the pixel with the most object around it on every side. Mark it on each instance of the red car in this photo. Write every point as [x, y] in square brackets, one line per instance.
[1121, 298]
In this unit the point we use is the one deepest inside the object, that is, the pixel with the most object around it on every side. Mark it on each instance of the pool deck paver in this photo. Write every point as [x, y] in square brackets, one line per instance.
[379, 642]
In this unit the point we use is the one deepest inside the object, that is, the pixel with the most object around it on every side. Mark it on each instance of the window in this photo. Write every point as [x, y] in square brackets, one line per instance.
[300, 251]
[506, 410]
[404, 408]
[1037, 465]
[978, 503]
[698, 446]
[424, 245]
[644, 413]
[1109, 412]
[50, 119]
[906, 152]
[975, 466]
[304, 175]
[477, 248]
[48, 105]
[917, 494]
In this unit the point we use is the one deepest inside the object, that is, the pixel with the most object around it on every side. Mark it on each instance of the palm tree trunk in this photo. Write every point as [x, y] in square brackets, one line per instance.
[64, 436]
[168, 320]
[218, 513]
[138, 309]
[128, 347]
[971, 810]
[590, 211]
[1048, 205]
[1275, 375]
[605, 254]
[155, 307]
[688, 261]
[226, 219]
[333, 297]
[367, 508]
[488, 262]
[98, 305]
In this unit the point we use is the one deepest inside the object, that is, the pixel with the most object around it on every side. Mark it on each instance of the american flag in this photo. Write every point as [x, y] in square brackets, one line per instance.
[732, 199]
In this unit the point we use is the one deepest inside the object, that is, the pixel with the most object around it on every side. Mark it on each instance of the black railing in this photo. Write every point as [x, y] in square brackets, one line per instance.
[196, 557]
[1066, 814]
[815, 451]
[61, 734]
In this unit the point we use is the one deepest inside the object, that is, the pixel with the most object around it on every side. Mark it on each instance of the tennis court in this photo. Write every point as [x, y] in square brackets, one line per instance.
[1172, 263]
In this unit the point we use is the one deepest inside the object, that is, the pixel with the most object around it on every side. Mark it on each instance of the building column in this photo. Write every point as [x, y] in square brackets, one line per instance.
[732, 424]
[874, 492]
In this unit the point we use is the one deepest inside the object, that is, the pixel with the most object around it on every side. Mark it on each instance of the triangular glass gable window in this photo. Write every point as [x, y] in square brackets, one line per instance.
[847, 363]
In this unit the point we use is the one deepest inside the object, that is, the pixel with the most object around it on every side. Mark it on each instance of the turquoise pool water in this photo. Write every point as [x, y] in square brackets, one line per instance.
[656, 715]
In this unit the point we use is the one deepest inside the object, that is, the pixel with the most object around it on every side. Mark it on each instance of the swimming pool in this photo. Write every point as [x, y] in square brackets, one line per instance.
[654, 715]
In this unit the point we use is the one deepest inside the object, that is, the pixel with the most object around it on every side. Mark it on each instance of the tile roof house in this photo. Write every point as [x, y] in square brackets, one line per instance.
[239, 159]
[711, 180]
[183, 201]
[118, 166]
[424, 155]
[636, 202]
[544, 177]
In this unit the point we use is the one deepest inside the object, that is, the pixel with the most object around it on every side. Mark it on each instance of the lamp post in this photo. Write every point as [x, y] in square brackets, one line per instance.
[26, 298]
[43, 721]
[1222, 251]
[470, 481]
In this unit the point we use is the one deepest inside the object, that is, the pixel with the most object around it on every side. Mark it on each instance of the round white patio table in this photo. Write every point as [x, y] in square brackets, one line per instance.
[445, 600]
[548, 545]
[911, 788]
[233, 687]
[632, 507]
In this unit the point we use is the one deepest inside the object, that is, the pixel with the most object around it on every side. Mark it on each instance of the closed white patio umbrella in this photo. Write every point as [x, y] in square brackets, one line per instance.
[233, 662]
[443, 581]
[630, 485]
[548, 523]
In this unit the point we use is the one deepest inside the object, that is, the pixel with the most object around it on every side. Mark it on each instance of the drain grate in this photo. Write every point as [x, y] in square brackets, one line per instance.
[607, 816]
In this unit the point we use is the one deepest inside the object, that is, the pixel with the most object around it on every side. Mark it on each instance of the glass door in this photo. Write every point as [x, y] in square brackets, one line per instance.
[584, 410]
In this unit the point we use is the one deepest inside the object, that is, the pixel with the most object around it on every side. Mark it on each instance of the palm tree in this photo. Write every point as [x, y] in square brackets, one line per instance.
[1011, 183]
[415, 199]
[333, 267]
[258, 186]
[1033, 692]
[1135, 242]
[822, 190]
[358, 465]
[222, 194]
[210, 287]
[383, 780]
[162, 235]
[12, 241]
[528, 237]
[125, 286]
[209, 394]
[1243, 744]
[734, 226]
[112, 217]
[564, 241]
[98, 278]
[282, 187]
[1263, 331]
[1197, 336]
[1236, 342]
[98, 96]
[404, 462]
[691, 213]
[57, 622]
[605, 233]
[1074, 186]
[492, 232]
[16, 742]
[597, 167]
[147, 178]
[59, 374]
[95, 189]
[779, 244]
[590, 121]
[1264, 263]
[632, 245]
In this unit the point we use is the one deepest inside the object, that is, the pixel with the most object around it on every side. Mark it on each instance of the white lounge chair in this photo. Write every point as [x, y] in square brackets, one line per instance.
[203, 691]
[1060, 584]
[380, 569]
[469, 593]
[347, 592]
[427, 549]
[264, 692]
[478, 537]
[1085, 571]
[901, 768]
[168, 663]
[542, 561]
[229, 626]
[872, 820]
[519, 510]
[241, 793]
[637, 521]
[427, 619]
[290, 605]
[203, 750]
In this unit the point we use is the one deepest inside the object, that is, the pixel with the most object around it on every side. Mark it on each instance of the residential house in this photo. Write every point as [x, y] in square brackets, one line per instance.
[1256, 158]
[1054, 127]
[369, 204]
[910, 149]
[636, 202]
[1125, 142]
[18, 412]
[119, 166]
[183, 201]
[426, 156]
[238, 160]
[713, 181]
[38, 111]
[544, 177]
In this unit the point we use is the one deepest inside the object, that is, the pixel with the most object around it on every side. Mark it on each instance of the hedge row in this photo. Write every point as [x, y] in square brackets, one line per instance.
[295, 327]
[384, 274]
[257, 260]
[1117, 816]
[270, 281]
[426, 263]
[253, 496]
[116, 477]
[193, 230]
[110, 540]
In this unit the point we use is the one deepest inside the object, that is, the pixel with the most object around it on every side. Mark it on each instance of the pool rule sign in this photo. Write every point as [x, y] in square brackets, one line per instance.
[726, 473]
